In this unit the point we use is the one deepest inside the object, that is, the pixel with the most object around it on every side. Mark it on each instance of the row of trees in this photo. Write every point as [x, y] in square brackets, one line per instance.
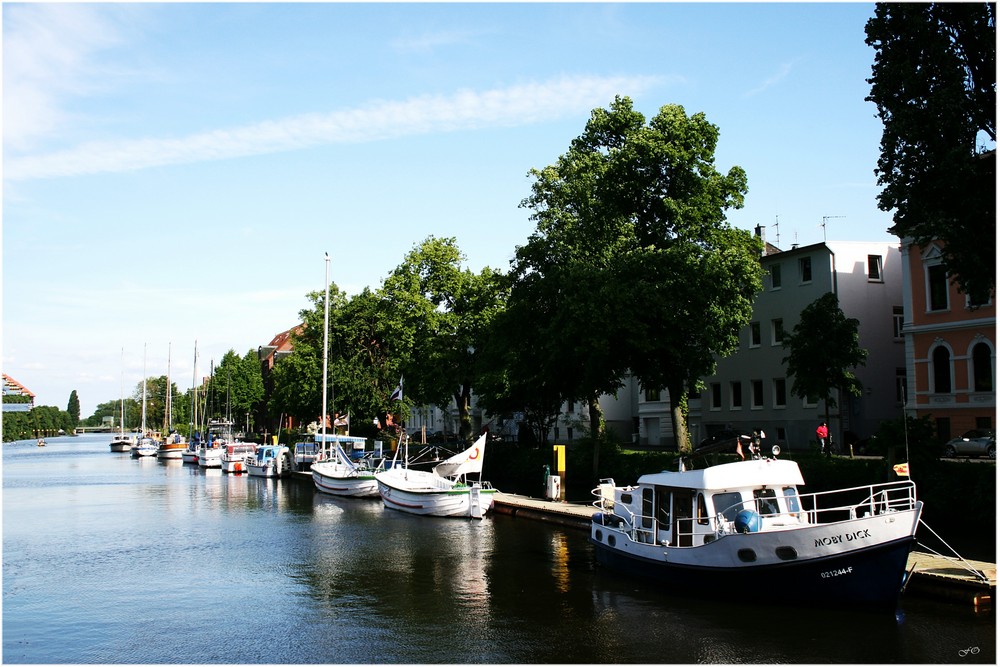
[40, 421]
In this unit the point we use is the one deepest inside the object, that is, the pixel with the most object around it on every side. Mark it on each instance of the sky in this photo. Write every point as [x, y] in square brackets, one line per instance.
[174, 173]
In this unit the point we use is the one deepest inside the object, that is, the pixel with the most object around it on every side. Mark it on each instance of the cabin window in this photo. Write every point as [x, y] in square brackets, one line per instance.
[729, 504]
[663, 508]
[702, 510]
[767, 502]
[747, 555]
[626, 499]
[647, 508]
[792, 499]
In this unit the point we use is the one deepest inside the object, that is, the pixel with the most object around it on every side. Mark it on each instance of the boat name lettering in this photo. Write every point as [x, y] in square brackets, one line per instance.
[840, 539]
[837, 573]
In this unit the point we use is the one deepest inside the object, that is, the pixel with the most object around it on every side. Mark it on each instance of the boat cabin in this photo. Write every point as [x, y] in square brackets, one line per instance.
[693, 507]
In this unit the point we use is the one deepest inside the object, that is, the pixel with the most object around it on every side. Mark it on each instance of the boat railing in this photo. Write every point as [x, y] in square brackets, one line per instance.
[772, 512]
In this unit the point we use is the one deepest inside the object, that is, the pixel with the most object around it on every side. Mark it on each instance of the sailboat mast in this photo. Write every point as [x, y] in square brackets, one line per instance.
[143, 390]
[194, 392]
[168, 415]
[326, 335]
[121, 425]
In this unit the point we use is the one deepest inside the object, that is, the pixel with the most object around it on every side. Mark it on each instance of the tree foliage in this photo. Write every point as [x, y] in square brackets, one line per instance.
[73, 407]
[633, 267]
[236, 388]
[822, 349]
[934, 82]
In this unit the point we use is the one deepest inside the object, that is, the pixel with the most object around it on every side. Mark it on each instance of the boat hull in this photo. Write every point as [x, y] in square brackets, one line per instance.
[460, 501]
[819, 574]
[125, 446]
[335, 480]
[170, 452]
[210, 457]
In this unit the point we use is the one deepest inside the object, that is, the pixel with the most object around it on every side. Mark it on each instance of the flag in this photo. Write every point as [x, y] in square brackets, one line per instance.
[902, 469]
[739, 450]
[397, 395]
[471, 460]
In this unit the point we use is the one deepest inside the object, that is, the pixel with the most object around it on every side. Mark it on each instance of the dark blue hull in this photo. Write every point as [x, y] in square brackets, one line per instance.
[869, 578]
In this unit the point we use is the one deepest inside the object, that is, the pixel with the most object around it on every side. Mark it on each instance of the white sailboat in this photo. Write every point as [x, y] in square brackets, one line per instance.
[172, 447]
[121, 441]
[338, 475]
[146, 446]
[442, 492]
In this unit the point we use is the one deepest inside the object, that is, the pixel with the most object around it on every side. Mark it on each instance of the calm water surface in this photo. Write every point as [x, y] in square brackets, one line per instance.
[108, 559]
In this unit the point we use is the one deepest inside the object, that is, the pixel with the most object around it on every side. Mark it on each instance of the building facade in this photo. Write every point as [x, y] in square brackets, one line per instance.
[752, 388]
[950, 347]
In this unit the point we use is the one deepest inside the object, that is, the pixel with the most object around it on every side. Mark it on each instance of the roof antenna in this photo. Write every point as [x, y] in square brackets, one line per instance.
[823, 225]
[777, 232]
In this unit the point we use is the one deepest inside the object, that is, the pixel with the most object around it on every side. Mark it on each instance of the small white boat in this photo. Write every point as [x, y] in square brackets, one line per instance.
[122, 442]
[210, 455]
[271, 461]
[443, 491]
[236, 457]
[337, 475]
[190, 453]
[146, 446]
[743, 531]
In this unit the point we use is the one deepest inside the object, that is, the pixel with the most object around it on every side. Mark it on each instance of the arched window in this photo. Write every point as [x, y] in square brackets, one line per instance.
[982, 368]
[941, 360]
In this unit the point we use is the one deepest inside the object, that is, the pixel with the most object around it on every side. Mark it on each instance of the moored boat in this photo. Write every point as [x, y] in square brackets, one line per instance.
[271, 461]
[743, 531]
[122, 442]
[146, 446]
[336, 474]
[236, 457]
[172, 447]
[443, 491]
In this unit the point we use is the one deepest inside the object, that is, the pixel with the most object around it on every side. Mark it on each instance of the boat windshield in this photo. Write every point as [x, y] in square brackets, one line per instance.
[767, 502]
[729, 504]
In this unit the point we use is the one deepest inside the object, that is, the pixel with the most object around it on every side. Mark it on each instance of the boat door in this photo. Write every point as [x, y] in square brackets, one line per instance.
[683, 501]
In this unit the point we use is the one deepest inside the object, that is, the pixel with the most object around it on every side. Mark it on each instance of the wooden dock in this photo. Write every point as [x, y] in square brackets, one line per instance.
[929, 575]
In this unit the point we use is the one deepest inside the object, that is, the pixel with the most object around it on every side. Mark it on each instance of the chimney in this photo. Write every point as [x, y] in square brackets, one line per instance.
[758, 231]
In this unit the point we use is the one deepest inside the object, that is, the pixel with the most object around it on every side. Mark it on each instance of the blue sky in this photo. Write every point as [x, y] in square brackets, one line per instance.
[175, 172]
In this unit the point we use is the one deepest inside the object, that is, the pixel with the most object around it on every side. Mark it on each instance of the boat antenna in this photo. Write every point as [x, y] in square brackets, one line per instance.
[326, 335]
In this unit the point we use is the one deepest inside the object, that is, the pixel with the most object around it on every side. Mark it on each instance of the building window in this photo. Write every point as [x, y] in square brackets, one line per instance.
[874, 268]
[937, 287]
[982, 368]
[897, 322]
[758, 394]
[941, 364]
[779, 392]
[901, 386]
[652, 395]
[736, 395]
[806, 269]
[777, 331]
[775, 276]
[716, 396]
[755, 334]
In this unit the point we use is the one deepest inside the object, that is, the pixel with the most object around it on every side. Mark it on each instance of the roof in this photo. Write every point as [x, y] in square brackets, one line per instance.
[12, 386]
[738, 475]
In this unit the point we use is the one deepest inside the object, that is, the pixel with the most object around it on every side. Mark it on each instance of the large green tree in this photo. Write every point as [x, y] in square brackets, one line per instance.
[934, 82]
[632, 260]
[823, 349]
[447, 310]
[236, 388]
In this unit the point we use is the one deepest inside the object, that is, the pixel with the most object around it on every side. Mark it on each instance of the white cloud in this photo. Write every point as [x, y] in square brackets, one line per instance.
[774, 80]
[50, 57]
[464, 110]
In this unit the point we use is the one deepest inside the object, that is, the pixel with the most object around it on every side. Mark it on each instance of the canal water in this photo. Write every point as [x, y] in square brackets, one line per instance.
[108, 559]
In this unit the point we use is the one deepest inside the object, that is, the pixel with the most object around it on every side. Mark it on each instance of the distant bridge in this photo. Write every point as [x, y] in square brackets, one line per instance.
[94, 429]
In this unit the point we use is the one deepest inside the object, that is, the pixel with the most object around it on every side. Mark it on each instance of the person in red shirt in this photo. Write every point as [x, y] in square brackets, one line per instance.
[821, 435]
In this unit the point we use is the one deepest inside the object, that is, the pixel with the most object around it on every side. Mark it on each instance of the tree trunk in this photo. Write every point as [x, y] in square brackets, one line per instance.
[596, 430]
[462, 400]
[678, 417]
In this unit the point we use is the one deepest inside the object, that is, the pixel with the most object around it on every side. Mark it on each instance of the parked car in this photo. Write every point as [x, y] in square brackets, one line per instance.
[977, 442]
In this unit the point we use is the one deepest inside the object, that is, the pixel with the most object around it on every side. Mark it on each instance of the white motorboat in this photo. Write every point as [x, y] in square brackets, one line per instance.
[236, 457]
[190, 453]
[122, 442]
[271, 461]
[443, 491]
[146, 446]
[336, 474]
[743, 531]
[220, 434]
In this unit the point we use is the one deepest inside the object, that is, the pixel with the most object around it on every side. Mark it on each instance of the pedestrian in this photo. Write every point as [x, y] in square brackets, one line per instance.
[821, 435]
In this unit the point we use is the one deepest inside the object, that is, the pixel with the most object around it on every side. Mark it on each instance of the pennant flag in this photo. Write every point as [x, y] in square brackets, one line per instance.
[471, 460]
[739, 450]
[397, 395]
[902, 469]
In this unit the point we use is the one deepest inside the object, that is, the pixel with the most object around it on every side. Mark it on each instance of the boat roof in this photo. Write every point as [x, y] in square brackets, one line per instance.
[332, 437]
[738, 475]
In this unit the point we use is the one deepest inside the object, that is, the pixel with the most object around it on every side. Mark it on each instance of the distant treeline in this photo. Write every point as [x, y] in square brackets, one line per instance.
[39, 422]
